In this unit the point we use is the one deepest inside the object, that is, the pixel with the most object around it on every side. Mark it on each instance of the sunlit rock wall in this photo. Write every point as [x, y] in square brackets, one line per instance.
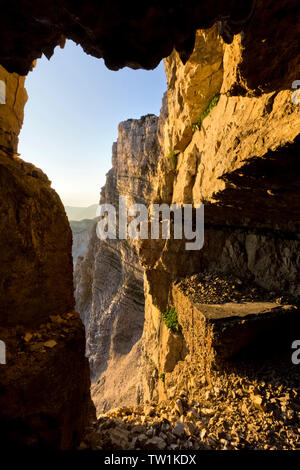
[241, 162]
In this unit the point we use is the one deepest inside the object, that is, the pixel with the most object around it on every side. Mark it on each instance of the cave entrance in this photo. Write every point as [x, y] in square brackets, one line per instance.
[71, 122]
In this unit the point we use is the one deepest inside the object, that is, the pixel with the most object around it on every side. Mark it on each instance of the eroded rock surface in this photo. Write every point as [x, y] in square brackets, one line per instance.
[80, 236]
[240, 161]
[45, 385]
[134, 35]
[230, 319]
[109, 279]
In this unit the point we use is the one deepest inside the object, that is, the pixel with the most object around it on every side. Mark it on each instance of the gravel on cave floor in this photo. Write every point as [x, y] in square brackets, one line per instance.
[239, 410]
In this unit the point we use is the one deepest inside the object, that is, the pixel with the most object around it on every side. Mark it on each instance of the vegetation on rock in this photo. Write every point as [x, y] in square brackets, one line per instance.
[171, 320]
[162, 377]
[197, 125]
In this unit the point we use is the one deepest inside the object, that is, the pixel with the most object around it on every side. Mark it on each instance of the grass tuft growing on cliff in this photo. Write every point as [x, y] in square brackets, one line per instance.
[162, 377]
[197, 125]
[171, 320]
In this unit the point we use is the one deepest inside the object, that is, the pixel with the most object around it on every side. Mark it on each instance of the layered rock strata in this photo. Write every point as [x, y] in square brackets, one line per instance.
[80, 236]
[109, 279]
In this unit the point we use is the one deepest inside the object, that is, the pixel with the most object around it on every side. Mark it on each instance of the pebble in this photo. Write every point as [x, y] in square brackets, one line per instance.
[156, 443]
[179, 407]
[178, 430]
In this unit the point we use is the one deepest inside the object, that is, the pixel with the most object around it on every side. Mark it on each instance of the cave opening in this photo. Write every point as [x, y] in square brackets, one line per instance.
[81, 119]
[247, 139]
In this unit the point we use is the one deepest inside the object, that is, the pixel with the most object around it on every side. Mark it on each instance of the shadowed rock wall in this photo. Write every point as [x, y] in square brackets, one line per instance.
[134, 35]
[44, 386]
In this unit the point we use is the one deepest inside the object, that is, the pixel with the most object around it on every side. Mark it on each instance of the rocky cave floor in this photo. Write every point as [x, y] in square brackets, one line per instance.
[236, 411]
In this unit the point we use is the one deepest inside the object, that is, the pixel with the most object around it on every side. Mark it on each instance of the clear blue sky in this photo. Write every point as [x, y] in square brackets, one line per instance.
[71, 118]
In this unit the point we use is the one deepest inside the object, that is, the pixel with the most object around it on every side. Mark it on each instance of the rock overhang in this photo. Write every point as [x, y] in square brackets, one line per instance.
[124, 34]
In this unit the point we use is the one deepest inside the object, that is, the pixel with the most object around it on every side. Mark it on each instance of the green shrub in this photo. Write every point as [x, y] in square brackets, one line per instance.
[171, 320]
[162, 377]
[197, 125]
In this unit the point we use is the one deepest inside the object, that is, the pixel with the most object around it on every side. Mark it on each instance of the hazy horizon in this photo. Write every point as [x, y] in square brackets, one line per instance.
[71, 118]
[82, 207]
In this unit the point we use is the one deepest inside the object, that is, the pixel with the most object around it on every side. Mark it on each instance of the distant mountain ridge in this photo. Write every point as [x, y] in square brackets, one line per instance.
[80, 213]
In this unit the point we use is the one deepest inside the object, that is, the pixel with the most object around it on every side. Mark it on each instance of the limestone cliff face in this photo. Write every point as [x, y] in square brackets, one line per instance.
[109, 279]
[46, 376]
[241, 162]
[80, 236]
[191, 87]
